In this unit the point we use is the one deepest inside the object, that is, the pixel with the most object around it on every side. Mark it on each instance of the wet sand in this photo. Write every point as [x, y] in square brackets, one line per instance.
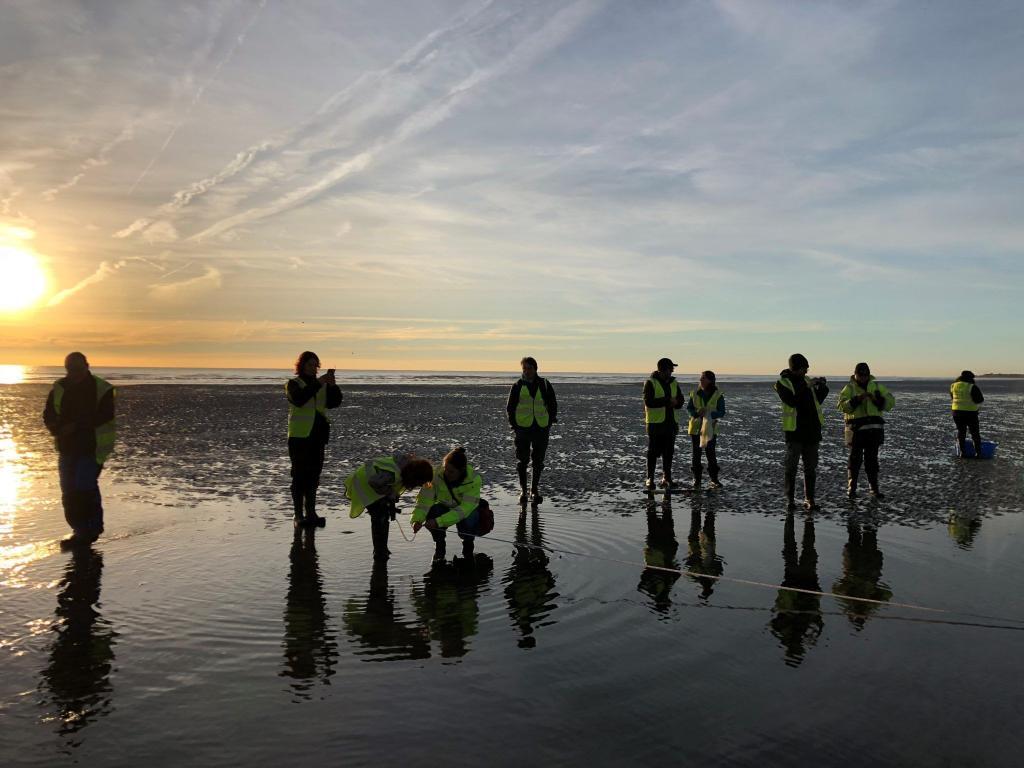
[199, 629]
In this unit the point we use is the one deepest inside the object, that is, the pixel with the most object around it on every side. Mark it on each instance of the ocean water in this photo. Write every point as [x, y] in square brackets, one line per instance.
[201, 629]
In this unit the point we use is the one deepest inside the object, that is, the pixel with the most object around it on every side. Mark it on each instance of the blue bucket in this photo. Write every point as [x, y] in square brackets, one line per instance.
[988, 449]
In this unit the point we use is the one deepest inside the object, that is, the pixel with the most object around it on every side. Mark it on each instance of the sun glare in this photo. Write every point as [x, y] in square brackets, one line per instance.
[22, 280]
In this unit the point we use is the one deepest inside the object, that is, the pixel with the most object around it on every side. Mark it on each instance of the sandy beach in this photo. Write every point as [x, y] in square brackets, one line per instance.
[201, 629]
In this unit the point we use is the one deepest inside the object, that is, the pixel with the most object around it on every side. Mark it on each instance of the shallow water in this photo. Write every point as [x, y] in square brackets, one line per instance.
[200, 630]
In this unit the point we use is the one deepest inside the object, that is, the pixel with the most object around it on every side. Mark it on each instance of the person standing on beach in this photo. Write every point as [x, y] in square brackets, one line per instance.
[309, 429]
[705, 402]
[375, 488]
[862, 402]
[802, 420]
[966, 397]
[532, 409]
[79, 413]
[661, 400]
[453, 498]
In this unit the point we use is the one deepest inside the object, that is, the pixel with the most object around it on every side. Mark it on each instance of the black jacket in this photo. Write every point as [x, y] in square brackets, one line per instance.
[299, 396]
[808, 426]
[79, 409]
[548, 393]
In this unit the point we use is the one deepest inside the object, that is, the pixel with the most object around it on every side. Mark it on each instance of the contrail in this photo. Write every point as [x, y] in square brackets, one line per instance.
[199, 94]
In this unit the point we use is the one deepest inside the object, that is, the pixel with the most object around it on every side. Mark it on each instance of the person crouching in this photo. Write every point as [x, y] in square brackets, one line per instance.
[453, 498]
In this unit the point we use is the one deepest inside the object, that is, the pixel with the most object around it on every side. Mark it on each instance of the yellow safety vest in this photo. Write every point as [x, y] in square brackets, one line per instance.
[789, 413]
[530, 409]
[105, 433]
[462, 500]
[867, 406]
[693, 427]
[357, 485]
[301, 418]
[657, 415]
[961, 391]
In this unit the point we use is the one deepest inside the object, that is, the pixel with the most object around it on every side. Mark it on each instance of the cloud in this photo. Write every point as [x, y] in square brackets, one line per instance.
[100, 159]
[187, 290]
[105, 270]
[161, 232]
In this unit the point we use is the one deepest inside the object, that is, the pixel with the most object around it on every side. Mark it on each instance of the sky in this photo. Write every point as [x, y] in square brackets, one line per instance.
[453, 185]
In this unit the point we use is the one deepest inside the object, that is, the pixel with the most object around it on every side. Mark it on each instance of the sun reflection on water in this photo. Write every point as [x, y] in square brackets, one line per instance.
[13, 557]
[12, 374]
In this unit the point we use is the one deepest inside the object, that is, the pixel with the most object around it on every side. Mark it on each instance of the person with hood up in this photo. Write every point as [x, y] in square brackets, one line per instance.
[802, 420]
[862, 402]
[966, 398]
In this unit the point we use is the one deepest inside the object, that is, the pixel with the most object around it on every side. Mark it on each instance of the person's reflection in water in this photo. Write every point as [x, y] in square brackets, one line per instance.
[862, 573]
[377, 626]
[798, 622]
[76, 683]
[963, 528]
[702, 556]
[529, 584]
[448, 601]
[310, 647]
[660, 552]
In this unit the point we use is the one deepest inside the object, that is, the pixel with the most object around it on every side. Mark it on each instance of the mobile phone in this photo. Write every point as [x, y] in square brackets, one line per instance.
[330, 371]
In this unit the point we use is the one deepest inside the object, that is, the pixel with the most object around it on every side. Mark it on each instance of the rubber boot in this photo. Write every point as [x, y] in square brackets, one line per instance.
[535, 496]
[467, 548]
[297, 505]
[379, 525]
[523, 495]
[697, 472]
[440, 545]
[312, 519]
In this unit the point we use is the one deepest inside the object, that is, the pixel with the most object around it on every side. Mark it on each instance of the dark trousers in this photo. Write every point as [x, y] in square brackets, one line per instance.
[660, 444]
[80, 494]
[795, 452]
[965, 420]
[307, 457]
[467, 528]
[382, 512]
[864, 447]
[531, 448]
[709, 450]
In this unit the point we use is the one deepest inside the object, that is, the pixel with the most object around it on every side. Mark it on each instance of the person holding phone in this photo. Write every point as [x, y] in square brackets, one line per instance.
[309, 429]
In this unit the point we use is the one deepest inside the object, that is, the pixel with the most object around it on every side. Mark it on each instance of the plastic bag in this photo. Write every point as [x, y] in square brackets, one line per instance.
[707, 430]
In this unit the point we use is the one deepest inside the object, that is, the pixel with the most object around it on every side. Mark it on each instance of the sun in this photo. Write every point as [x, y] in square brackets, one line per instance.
[22, 280]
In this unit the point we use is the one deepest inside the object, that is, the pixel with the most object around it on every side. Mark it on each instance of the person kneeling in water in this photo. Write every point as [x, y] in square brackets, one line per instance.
[453, 498]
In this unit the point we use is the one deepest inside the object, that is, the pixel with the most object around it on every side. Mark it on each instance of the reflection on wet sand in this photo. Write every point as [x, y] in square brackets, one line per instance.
[862, 573]
[702, 556]
[75, 685]
[447, 602]
[376, 625]
[798, 622]
[660, 552]
[529, 584]
[963, 528]
[310, 646]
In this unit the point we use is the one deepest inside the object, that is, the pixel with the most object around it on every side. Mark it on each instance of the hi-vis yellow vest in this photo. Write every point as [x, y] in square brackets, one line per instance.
[461, 501]
[657, 415]
[357, 485]
[530, 409]
[693, 427]
[867, 407]
[789, 413]
[105, 433]
[961, 391]
[301, 418]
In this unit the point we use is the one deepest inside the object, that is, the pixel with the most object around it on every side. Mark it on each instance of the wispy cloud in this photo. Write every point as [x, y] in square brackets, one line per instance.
[187, 290]
[101, 158]
[103, 271]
